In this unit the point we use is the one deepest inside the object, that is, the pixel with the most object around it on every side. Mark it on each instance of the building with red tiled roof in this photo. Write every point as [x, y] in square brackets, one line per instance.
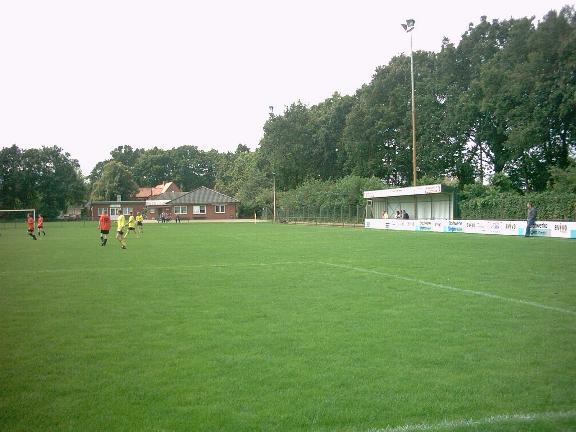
[147, 193]
[200, 204]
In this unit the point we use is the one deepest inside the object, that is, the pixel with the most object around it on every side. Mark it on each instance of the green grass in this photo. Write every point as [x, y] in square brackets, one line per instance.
[243, 327]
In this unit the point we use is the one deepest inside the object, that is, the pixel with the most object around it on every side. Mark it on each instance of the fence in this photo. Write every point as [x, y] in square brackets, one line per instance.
[344, 215]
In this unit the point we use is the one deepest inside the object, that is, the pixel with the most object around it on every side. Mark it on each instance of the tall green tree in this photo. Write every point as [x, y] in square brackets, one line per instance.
[193, 167]
[377, 140]
[126, 155]
[47, 179]
[329, 121]
[288, 146]
[477, 132]
[524, 95]
[14, 192]
[378, 134]
[116, 180]
[153, 167]
[240, 175]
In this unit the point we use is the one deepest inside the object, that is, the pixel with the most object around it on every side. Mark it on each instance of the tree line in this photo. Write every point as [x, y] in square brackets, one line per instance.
[500, 104]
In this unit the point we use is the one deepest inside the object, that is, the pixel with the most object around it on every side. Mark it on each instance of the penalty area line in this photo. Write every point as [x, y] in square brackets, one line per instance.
[487, 421]
[451, 288]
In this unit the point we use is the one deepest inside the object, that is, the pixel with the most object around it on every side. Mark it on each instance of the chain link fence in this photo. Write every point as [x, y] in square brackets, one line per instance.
[343, 215]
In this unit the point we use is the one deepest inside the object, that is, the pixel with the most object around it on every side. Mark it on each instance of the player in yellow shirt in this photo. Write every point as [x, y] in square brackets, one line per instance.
[121, 226]
[139, 223]
[131, 224]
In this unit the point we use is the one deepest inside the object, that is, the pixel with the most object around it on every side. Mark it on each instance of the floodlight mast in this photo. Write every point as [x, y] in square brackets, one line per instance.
[408, 27]
[274, 194]
[271, 108]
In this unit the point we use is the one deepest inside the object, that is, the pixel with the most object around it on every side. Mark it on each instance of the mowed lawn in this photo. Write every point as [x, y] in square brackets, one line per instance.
[261, 327]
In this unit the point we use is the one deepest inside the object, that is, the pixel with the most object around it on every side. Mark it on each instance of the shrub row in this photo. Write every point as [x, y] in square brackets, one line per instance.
[512, 206]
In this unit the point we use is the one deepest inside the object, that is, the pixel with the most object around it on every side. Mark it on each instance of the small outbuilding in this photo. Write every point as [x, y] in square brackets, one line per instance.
[420, 202]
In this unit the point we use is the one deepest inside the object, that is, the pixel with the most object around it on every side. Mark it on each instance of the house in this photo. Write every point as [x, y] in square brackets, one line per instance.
[148, 193]
[96, 208]
[200, 204]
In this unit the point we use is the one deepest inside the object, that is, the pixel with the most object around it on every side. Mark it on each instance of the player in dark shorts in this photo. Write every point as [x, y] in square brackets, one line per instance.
[30, 222]
[104, 224]
[41, 225]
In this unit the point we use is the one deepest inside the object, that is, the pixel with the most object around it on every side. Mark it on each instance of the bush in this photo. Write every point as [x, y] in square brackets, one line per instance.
[346, 191]
[512, 206]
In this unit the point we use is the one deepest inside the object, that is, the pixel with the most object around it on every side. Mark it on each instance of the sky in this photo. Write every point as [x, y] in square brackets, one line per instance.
[89, 76]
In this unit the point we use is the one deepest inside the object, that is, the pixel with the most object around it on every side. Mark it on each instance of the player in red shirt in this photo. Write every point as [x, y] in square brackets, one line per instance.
[104, 225]
[41, 225]
[30, 222]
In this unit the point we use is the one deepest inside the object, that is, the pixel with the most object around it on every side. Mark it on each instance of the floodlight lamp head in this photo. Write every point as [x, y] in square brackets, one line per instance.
[409, 26]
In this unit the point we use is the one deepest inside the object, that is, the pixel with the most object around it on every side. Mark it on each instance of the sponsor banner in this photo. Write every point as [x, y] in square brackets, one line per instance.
[414, 190]
[511, 228]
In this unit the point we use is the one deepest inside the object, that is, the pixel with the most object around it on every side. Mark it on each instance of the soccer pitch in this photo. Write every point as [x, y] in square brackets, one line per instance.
[244, 327]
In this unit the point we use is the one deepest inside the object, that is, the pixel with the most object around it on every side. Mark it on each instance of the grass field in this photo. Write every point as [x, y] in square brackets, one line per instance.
[249, 327]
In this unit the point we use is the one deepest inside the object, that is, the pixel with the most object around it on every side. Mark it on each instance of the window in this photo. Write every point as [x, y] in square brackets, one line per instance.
[127, 210]
[199, 209]
[101, 210]
[220, 208]
[180, 209]
[114, 211]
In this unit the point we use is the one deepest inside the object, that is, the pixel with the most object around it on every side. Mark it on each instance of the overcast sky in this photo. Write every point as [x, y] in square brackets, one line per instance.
[89, 76]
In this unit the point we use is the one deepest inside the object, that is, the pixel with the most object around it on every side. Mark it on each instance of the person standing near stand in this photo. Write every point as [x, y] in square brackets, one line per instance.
[531, 221]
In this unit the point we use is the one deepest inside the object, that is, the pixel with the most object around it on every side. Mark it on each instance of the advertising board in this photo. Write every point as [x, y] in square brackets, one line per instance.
[490, 227]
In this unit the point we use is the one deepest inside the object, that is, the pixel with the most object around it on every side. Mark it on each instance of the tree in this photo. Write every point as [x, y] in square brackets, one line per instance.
[13, 190]
[96, 172]
[378, 134]
[59, 180]
[240, 176]
[46, 179]
[476, 131]
[329, 121]
[528, 87]
[154, 167]
[116, 180]
[563, 180]
[377, 137]
[193, 168]
[126, 155]
[288, 147]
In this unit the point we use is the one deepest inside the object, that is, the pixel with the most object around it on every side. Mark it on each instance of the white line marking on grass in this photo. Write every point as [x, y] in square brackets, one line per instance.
[451, 288]
[494, 420]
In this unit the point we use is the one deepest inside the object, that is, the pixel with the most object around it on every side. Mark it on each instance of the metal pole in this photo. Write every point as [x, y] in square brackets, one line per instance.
[274, 193]
[413, 116]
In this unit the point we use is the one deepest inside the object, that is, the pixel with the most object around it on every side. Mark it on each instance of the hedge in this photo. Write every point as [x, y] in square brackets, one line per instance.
[512, 206]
